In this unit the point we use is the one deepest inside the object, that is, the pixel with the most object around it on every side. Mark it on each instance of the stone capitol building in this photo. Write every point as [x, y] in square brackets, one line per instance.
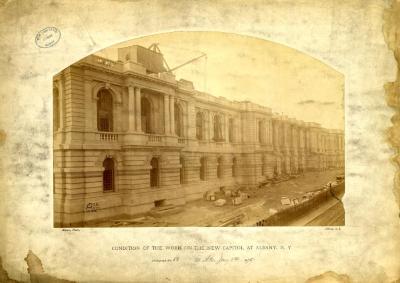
[129, 137]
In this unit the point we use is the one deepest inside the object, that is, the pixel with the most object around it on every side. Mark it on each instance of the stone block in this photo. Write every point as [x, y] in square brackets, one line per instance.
[220, 202]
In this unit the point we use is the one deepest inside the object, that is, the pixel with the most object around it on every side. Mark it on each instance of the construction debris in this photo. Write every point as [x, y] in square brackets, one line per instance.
[209, 195]
[285, 201]
[244, 195]
[220, 202]
[331, 184]
[237, 201]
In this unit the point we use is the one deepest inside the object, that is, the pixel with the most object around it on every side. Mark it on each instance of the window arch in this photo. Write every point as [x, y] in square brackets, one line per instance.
[218, 128]
[203, 166]
[231, 130]
[145, 108]
[220, 172]
[182, 170]
[154, 172]
[234, 167]
[199, 125]
[108, 175]
[56, 109]
[178, 120]
[104, 111]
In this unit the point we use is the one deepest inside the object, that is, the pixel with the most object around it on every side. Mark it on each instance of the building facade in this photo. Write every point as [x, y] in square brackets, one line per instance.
[129, 137]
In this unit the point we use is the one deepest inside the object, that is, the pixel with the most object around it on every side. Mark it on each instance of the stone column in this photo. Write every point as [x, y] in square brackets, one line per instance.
[167, 125]
[172, 114]
[117, 124]
[138, 111]
[131, 109]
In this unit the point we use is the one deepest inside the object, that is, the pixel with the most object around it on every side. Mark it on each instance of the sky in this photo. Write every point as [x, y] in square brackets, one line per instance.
[241, 68]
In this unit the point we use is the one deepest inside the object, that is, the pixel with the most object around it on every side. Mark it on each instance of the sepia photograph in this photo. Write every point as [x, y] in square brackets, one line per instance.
[200, 141]
[202, 129]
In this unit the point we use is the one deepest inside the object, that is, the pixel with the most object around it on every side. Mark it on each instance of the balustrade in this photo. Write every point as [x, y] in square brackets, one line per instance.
[105, 136]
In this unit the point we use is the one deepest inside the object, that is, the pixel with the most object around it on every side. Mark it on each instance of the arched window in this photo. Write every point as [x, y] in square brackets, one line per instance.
[178, 120]
[203, 165]
[218, 128]
[104, 111]
[182, 171]
[199, 126]
[220, 172]
[108, 175]
[145, 107]
[231, 129]
[154, 172]
[56, 109]
[234, 167]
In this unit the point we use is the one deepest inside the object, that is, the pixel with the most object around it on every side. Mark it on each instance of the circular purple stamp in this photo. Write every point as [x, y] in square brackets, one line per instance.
[47, 37]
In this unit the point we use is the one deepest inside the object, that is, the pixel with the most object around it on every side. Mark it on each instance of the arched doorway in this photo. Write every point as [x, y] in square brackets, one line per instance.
[104, 111]
[108, 175]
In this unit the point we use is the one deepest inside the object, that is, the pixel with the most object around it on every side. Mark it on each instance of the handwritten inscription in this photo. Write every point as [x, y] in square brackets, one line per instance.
[223, 259]
[175, 259]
